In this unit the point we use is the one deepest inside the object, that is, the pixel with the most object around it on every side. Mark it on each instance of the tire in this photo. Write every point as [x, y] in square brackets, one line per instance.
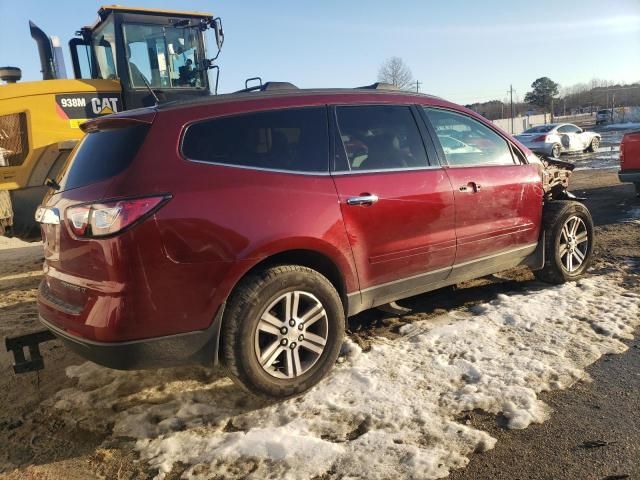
[556, 150]
[256, 326]
[595, 143]
[637, 185]
[557, 267]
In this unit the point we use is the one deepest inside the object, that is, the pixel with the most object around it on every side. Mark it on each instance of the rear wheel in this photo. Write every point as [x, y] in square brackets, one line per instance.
[282, 331]
[595, 143]
[568, 229]
[555, 151]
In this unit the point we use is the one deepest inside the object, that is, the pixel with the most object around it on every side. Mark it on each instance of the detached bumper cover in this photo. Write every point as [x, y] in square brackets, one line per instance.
[629, 176]
[192, 348]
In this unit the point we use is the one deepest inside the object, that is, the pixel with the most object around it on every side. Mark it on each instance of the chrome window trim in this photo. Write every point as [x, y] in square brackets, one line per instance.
[317, 173]
[384, 170]
[260, 169]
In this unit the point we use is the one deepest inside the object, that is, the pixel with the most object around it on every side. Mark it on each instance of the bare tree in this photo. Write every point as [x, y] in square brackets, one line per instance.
[396, 72]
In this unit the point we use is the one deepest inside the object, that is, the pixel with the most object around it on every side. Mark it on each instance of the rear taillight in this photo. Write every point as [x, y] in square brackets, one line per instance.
[104, 219]
[541, 138]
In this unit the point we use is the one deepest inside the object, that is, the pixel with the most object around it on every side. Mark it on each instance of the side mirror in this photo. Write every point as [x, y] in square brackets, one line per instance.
[219, 32]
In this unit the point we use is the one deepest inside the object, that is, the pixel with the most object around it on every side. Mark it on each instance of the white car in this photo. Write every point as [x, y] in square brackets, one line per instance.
[553, 139]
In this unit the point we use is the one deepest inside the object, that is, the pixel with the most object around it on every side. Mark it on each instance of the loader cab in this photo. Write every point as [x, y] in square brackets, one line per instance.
[156, 55]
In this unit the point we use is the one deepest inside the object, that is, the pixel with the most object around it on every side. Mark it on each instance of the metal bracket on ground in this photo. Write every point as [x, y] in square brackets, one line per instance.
[32, 341]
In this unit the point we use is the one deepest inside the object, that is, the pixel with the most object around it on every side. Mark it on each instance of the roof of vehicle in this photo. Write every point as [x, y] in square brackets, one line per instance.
[286, 92]
[106, 9]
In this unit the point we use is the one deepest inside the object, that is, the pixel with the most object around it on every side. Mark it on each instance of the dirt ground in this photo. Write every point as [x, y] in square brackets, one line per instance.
[35, 442]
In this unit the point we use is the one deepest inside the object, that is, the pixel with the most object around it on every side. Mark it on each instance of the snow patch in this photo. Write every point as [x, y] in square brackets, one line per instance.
[634, 216]
[12, 242]
[387, 413]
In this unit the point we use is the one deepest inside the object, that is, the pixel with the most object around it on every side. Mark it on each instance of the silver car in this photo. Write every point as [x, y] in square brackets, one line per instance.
[553, 139]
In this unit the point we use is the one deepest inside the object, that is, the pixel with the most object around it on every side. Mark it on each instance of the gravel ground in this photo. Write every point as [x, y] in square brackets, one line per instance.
[36, 443]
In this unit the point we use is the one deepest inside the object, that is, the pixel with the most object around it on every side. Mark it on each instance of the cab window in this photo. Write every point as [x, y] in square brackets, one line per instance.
[103, 42]
[163, 57]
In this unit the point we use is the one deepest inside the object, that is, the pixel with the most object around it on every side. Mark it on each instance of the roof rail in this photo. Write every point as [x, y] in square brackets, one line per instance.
[379, 86]
[269, 87]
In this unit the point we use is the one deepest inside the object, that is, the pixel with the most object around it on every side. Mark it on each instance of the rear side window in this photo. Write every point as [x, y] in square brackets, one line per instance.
[102, 155]
[291, 140]
[466, 142]
[384, 137]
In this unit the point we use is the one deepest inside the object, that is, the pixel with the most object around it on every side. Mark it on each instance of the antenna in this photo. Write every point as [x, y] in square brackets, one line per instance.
[153, 94]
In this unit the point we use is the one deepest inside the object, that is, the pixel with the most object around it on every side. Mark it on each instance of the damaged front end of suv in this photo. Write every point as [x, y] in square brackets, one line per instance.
[555, 178]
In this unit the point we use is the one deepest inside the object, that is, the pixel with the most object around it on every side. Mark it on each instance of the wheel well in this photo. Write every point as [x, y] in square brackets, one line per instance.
[311, 259]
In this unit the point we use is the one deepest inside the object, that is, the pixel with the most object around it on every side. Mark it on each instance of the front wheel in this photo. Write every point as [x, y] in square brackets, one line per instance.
[282, 331]
[555, 151]
[568, 229]
[595, 143]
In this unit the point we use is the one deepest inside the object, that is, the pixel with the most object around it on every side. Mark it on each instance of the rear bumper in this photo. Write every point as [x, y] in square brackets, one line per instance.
[629, 176]
[192, 348]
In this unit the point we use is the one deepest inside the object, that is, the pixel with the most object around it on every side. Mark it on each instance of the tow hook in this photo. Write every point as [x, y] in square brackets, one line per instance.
[32, 341]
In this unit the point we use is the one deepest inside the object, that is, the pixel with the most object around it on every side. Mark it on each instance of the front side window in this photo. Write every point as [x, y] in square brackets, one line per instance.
[292, 140]
[103, 42]
[378, 137]
[166, 57]
[465, 141]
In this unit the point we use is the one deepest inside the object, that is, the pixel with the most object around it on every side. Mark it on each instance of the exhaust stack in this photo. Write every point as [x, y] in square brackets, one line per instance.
[50, 52]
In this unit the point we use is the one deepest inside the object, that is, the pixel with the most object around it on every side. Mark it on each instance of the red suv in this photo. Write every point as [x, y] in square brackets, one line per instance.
[630, 159]
[244, 228]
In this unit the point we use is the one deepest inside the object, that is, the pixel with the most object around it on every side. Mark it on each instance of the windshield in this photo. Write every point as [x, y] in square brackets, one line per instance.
[167, 57]
[540, 129]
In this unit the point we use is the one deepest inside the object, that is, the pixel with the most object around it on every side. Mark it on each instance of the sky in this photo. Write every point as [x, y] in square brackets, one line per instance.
[464, 51]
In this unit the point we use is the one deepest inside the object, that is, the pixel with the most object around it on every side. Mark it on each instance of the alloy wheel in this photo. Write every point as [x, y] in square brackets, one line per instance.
[291, 334]
[574, 244]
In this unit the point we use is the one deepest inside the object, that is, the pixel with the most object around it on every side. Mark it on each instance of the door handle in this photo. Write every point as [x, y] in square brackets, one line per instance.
[365, 199]
[470, 187]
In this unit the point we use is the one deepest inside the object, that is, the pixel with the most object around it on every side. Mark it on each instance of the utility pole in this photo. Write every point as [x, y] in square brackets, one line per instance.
[417, 86]
[511, 101]
[613, 105]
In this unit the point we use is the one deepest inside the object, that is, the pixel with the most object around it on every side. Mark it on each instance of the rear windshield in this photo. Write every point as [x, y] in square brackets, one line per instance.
[540, 129]
[102, 155]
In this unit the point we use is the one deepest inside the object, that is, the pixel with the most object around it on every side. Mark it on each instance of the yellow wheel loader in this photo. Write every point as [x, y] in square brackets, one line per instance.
[129, 58]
